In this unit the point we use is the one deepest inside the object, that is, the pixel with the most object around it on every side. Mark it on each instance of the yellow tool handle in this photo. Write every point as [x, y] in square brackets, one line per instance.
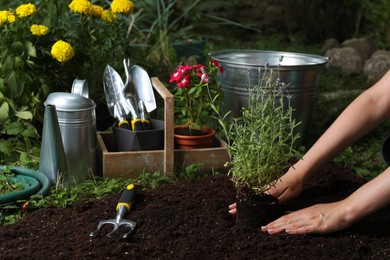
[124, 124]
[136, 124]
[127, 197]
[146, 124]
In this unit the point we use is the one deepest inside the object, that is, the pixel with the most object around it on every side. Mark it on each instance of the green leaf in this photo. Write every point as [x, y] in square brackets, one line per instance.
[30, 132]
[24, 115]
[30, 49]
[4, 110]
[12, 83]
[18, 88]
[15, 128]
[19, 62]
[6, 146]
[17, 46]
[24, 158]
[192, 90]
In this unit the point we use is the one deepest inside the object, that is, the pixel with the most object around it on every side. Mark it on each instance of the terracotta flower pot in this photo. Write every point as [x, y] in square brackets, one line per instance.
[202, 139]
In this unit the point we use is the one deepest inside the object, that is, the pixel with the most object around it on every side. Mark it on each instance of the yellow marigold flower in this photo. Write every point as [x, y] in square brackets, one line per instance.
[80, 6]
[62, 51]
[11, 17]
[38, 30]
[4, 17]
[108, 16]
[122, 6]
[25, 10]
[95, 11]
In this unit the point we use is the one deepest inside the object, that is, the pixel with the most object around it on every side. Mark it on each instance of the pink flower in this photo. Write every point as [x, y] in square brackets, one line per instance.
[179, 73]
[217, 64]
[175, 76]
[184, 82]
[204, 76]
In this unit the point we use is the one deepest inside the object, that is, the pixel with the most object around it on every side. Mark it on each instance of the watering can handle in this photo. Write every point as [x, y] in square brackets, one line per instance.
[80, 87]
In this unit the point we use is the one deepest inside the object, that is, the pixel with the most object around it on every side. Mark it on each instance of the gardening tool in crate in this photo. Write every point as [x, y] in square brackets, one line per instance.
[138, 91]
[123, 207]
[144, 93]
[118, 106]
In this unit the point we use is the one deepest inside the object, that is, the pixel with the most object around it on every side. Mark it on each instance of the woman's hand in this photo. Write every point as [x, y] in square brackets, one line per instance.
[320, 218]
[326, 218]
[287, 188]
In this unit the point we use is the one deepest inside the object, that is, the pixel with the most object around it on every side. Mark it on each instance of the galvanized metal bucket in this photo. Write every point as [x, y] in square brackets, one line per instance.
[244, 68]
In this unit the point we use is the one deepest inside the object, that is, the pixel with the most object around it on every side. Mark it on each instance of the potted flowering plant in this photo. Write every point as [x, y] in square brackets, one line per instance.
[197, 91]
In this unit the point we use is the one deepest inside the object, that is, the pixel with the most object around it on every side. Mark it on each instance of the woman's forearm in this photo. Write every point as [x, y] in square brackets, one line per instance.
[369, 198]
[367, 111]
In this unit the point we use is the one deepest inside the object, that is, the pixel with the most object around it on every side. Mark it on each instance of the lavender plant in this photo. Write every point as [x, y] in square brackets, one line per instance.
[261, 142]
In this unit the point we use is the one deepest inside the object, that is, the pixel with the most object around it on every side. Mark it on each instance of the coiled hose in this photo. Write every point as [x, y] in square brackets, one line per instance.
[33, 182]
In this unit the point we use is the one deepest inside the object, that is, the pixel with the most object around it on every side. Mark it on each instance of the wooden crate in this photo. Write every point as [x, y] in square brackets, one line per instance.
[130, 164]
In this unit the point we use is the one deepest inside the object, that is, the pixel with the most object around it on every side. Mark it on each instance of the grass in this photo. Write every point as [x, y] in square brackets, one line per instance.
[91, 189]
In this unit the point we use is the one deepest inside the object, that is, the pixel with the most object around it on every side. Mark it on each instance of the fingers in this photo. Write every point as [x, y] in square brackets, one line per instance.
[290, 226]
[314, 219]
[233, 209]
[282, 191]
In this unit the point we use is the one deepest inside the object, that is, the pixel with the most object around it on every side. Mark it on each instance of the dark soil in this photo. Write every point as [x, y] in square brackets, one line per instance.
[190, 220]
[189, 132]
[256, 210]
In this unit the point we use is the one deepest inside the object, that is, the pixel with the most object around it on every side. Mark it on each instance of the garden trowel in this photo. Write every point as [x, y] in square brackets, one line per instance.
[118, 107]
[123, 207]
[143, 87]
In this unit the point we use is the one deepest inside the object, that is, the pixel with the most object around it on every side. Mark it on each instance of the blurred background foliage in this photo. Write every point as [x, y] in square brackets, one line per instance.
[285, 25]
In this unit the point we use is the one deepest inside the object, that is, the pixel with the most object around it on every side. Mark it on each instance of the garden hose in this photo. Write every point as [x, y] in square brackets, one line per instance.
[33, 182]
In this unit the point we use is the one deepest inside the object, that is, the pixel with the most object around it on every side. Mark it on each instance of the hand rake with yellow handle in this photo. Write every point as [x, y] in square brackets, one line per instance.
[123, 206]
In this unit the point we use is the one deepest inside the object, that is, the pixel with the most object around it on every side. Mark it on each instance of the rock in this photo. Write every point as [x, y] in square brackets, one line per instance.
[346, 58]
[330, 44]
[377, 65]
[363, 46]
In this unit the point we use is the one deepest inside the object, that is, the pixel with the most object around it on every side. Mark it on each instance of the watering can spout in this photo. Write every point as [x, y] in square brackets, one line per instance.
[52, 161]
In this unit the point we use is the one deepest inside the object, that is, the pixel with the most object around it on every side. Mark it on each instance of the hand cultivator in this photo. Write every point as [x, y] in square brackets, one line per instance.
[123, 206]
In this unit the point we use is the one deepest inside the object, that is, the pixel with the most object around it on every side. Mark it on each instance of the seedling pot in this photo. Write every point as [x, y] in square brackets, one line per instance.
[256, 210]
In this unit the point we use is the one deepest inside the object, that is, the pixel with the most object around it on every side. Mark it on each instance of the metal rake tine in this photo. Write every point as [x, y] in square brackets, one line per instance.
[116, 226]
[97, 230]
[94, 233]
[129, 224]
[127, 234]
[99, 227]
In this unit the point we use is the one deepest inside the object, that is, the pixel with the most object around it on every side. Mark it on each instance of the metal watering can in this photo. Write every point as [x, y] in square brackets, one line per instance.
[69, 143]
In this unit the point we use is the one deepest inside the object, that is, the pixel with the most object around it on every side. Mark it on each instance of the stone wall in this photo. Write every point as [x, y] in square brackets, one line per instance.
[357, 55]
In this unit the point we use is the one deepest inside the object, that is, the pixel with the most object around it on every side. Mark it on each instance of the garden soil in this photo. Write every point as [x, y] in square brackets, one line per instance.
[190, 220]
